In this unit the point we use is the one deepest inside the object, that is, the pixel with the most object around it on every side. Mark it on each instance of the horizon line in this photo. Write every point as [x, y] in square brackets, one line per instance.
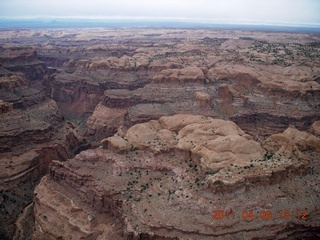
[177, 19]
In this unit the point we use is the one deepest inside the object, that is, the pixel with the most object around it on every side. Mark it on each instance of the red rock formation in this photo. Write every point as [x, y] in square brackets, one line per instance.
[164, 179]
[22, 59]
[264, 82]
[264, 85]
[188, 74]
[32, 134]
[202, 100]
[74, 99]
[104, 121]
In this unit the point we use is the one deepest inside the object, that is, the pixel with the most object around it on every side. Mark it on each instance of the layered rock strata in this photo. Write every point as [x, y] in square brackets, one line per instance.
[32, 134]
[168, 178]
[108, 80]
[262, 81]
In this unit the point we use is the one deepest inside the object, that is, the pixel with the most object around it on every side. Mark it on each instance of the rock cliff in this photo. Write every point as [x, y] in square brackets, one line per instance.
[237, 131]
[262, 81]
[32, 134]
[168, 178]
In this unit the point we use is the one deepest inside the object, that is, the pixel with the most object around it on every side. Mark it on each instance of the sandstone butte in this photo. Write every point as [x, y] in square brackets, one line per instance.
[153, 133]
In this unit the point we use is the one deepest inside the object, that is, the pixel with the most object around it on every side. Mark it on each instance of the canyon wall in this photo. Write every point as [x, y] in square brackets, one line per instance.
[263, 82]
[32, 134]
[245, 138]
[171, 178]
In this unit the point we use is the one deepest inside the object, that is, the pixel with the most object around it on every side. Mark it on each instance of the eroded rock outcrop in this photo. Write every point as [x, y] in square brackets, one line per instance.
[215, 142]
[75, 99]
[167, 178]
[292, 142]
[188, 74]
[263, 82]
[22, 59]
[104, 120]
[202, 100]
[32, 134]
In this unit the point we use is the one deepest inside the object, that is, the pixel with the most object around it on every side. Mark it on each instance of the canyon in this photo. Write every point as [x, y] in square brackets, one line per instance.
[159, 134]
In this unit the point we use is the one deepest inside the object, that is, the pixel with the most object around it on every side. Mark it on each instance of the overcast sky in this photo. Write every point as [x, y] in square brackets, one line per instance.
[284, 11]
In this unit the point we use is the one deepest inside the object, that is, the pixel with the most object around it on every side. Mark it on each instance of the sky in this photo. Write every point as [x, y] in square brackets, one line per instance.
[225, 11]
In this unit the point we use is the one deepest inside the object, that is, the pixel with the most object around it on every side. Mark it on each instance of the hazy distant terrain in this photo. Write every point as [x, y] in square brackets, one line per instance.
[52, 23]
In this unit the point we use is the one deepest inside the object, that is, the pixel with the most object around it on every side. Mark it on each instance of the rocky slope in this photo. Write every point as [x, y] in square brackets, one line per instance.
[32, 134]
[108, 81]
[171, 178]
[263, 81]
